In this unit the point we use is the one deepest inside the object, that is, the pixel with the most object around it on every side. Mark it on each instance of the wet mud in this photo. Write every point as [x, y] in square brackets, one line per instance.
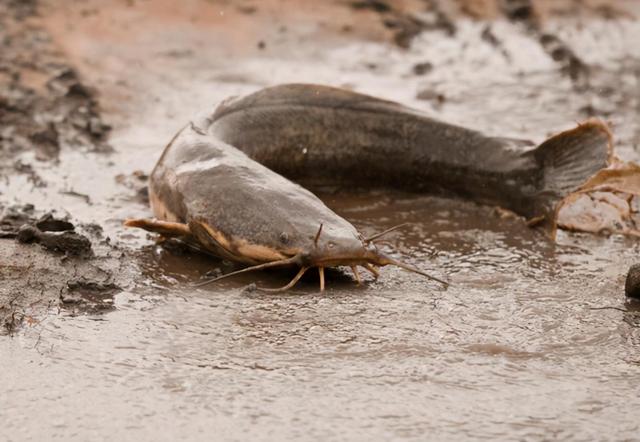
[103, 335]
[47, 263]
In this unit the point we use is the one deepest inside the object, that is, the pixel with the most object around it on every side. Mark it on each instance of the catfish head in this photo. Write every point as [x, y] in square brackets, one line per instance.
[333, 250]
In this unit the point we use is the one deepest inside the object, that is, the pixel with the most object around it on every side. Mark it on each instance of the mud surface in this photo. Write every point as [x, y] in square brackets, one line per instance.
[105, 339]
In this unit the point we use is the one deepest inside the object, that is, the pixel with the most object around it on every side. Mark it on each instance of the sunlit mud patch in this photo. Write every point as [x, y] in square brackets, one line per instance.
[608, 203]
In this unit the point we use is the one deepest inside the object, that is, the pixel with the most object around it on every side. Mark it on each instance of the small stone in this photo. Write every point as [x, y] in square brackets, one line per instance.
[422, 68]
[632, 285]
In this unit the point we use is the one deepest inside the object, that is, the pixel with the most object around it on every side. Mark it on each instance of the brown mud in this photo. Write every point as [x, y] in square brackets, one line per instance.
[534, 340]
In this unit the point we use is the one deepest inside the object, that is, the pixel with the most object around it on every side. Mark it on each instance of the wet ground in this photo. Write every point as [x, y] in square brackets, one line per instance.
[533, 341]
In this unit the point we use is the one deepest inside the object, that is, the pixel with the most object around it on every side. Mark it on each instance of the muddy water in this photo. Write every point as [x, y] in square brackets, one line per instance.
[533, 340]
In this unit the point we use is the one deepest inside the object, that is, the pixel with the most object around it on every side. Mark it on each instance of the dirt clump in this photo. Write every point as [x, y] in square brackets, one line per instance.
[68, 242]
[53, 234]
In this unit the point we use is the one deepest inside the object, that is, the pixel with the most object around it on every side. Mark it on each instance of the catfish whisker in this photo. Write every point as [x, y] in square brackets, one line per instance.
[354, 269]
[410, 268]
[288, 286]
[280, 263]
[371, 269]
[321, 272]
[384, 232]
[315, 240]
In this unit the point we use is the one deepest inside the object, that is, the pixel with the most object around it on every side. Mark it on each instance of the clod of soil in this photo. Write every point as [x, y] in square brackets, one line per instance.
[68, 242]
[52, 233]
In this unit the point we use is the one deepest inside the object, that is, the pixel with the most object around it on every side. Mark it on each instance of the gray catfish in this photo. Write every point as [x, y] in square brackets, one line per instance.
[218, 183]
[207, 192]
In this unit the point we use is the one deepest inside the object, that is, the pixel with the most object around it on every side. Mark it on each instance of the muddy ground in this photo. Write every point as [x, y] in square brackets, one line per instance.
[103, 338]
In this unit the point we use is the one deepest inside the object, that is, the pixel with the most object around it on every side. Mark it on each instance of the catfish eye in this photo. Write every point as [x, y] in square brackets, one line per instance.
[331, 244]
[284, 238]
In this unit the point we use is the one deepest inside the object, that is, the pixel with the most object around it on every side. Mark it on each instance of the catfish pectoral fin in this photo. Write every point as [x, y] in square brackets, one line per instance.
[164, 228]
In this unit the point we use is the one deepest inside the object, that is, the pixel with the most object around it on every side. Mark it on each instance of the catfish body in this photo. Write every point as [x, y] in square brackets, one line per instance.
[321, 134]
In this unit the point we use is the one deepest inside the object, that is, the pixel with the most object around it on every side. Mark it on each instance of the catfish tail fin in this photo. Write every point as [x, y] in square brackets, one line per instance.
[568, 160]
